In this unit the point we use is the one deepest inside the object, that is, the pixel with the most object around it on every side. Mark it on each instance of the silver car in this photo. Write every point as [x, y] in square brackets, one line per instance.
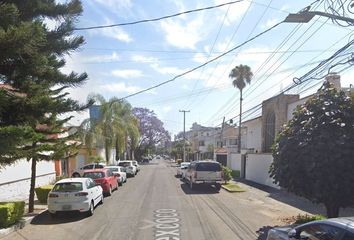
[329, 229]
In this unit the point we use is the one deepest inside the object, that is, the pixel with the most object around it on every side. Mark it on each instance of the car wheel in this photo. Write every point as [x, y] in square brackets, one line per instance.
[218, 187]
[101, 202]
[91, 210]
[120, 183]
[76, 174]
[110, 191]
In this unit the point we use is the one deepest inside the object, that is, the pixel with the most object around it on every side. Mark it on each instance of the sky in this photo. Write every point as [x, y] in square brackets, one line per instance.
[121, 61]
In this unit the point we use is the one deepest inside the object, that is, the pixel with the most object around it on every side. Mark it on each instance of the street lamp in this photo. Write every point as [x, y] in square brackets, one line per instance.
[306, 16]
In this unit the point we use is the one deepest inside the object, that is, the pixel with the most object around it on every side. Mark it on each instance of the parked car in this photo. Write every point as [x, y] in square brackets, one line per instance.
[104, 177]
[333, 228]
[121, 174]
[74, 194]
[80, 171]
[136, 164]
[181, 170]
[131, 169]
[204, 172]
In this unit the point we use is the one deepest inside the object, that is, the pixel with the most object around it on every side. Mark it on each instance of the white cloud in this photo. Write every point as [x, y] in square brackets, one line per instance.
[200, 58]
[234, 11]
[166, 109]
[184, 34]
[116, 33]
[166, 70]
[270, 23]
[127, 73]
[143, 59]
[101, 58]
[120, 88]
[118, 6]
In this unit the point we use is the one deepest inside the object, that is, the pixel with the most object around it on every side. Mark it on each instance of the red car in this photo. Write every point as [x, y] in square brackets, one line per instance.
[103, 177]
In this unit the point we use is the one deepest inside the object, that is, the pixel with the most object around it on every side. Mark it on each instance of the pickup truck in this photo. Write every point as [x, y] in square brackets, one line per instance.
[204, 172]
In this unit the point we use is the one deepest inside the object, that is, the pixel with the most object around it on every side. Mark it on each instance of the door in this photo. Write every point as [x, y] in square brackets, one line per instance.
[222, 159]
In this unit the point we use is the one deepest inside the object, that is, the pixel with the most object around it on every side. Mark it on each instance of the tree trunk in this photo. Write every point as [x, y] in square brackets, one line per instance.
[117, 150]
[33, 184]
[239, 125]
[332, 210]
[107, 152]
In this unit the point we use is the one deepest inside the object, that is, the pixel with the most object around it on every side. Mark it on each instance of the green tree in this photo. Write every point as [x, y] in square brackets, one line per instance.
[240, 76]
[31, 56]
[115, 127]
[313, 154]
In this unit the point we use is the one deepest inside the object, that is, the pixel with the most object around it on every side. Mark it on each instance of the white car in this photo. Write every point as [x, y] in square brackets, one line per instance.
[136, 165]
[181, 170]
[80, 171]
[74, 194]
[131, 170]
[122, 174]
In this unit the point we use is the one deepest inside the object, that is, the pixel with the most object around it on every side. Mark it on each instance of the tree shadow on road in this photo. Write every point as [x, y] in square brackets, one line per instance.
[200, 189]
[45, 219]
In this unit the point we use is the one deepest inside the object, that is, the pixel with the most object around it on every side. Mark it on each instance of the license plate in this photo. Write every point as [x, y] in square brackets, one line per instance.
[66, 207]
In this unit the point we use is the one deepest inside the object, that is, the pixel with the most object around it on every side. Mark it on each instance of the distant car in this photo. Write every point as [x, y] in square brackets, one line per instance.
[329, 229]
[104, 177]
[204, 172]
[145, 159]
[122, 178]
[80, 171]
[136, 164]
[74, 194]
[181, 170]
[129, 166]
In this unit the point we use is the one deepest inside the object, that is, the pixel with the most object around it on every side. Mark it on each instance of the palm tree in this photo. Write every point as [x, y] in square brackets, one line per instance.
[115, 126]
[240, 76]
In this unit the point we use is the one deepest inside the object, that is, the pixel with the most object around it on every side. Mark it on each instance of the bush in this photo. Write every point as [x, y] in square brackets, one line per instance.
[42, 193]
[226, 171]
[235, 173]
[301, 219]
[11, 212]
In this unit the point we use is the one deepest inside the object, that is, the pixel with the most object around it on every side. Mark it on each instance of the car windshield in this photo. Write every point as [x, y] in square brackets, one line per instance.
[208, 166]
[94, 175]
[115, 169]
[68, 187]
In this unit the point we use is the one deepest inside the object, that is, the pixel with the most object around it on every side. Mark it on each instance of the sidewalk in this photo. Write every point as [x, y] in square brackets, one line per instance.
[287, 202]
[26, 219]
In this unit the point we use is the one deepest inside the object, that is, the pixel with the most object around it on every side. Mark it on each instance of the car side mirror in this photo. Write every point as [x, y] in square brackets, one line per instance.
[292, 234]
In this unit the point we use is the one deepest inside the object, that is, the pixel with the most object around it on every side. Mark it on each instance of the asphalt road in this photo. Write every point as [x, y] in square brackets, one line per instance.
[155, 205]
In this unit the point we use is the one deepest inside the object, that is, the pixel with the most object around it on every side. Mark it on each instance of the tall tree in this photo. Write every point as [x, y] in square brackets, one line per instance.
[115, 127]
[31, 56]
[313, 154]
[152, 131]
[240, 76]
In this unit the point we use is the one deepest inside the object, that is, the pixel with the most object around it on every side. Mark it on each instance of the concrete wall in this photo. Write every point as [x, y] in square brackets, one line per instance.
[257, 167]
[234, 161]
[253, 135]
[15, 179]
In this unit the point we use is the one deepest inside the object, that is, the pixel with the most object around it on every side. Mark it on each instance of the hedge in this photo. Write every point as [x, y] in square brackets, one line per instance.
[42, 193]
[11, 212]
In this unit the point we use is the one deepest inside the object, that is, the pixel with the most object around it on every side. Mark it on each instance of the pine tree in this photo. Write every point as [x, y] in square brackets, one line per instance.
[31, 56]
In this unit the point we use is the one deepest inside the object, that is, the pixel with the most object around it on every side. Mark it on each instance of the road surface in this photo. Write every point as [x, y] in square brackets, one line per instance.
[155, 205]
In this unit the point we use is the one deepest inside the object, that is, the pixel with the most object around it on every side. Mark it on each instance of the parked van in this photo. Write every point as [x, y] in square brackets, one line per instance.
[204, 172]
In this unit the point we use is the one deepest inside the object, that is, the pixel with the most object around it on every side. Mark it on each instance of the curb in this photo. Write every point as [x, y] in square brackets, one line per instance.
[19, 225]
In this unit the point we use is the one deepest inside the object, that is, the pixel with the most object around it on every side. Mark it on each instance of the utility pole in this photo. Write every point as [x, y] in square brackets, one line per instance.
[222, 132]
[184, 133]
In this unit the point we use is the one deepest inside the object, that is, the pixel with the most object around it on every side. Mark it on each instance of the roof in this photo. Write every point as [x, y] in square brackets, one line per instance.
[67, 180]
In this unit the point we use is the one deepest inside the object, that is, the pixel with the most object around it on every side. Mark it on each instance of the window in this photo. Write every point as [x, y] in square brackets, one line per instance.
[320, 232]
[233, 141]
[201, 143]
[94, 175]
[211, 167]
[88, 167]
[68, 187]
[269, 132]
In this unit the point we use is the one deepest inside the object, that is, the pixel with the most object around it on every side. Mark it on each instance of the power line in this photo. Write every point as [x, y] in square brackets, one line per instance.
[202, 65]
[159, 18]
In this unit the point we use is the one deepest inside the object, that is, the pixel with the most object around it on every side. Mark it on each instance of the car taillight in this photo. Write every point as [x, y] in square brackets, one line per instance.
[53, 195]
[81, 194]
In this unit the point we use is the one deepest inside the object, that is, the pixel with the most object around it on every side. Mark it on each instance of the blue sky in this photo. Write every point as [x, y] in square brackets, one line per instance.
[123, 60]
